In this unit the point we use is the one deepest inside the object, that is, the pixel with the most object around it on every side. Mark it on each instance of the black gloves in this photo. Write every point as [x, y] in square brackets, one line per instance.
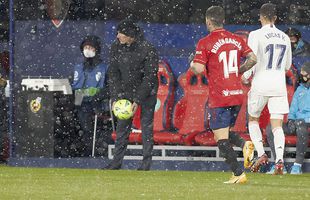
[291, 125]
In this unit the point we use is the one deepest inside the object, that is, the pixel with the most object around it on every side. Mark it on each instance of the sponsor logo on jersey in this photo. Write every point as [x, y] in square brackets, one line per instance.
[76, 75]
[98, 76]
[227, 93]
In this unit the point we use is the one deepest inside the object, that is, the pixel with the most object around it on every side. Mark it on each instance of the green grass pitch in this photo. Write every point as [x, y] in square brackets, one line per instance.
[85, 184]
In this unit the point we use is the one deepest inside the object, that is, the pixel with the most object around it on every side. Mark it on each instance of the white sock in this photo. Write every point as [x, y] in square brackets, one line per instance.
[256, 137]
[279, 142]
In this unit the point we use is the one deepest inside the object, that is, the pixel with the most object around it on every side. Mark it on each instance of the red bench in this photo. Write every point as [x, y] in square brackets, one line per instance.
[190, 114]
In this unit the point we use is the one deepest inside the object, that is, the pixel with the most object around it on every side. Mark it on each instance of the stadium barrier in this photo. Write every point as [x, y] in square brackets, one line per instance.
[193, 153]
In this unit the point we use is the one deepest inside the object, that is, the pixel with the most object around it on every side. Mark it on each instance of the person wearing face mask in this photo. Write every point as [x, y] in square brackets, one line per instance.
[299, 46]
[298, 120]
[300, 49]
[132, 75]
[89, 85]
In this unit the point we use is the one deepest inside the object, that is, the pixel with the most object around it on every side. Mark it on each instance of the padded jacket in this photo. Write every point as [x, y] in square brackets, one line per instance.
[300, 106]
[133, 71]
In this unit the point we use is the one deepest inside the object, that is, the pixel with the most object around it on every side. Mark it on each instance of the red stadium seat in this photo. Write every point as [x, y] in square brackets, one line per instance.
[205, 139]
[291, 140]
[190, 113]
[165, 98]
[195, 116]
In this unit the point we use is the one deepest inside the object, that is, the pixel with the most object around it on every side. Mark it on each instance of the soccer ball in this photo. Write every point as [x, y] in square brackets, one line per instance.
[123, 109]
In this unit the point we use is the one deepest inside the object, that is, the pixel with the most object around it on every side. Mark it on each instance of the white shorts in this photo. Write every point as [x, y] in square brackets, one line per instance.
[277, 105]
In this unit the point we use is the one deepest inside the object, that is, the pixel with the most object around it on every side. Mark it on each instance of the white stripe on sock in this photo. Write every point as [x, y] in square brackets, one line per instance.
[279, 142]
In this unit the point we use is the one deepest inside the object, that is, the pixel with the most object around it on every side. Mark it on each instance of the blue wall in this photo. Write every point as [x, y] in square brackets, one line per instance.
[41, 49]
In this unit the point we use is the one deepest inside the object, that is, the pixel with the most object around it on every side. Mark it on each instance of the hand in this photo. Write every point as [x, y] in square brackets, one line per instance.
[291, 126]
[2, 82]
[98, 111]
[244, 80]
[134, 108]
[197, 68]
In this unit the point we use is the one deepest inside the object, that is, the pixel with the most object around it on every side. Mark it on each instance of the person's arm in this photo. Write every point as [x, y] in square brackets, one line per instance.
[247, 68]
[114, 75]
[288, 57]
[294, 105]
[249, 51]
[150, 80]
[249, 63]
[103, 90]
[198, 65]
[103, 71]
[2, 82]
[77, 77]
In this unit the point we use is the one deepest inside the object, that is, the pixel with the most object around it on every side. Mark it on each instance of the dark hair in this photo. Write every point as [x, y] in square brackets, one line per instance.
[129, 28]
[293, 32]
[216, 14]
[268, 11]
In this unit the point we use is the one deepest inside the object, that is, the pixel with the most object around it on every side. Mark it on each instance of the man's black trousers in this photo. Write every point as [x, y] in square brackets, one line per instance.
[123, 130]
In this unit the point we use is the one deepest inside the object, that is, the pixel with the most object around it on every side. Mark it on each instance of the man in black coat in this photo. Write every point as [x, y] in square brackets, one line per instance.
[133, 75]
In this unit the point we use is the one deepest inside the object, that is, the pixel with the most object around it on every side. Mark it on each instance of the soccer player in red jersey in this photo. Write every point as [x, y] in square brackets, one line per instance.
[220, 53]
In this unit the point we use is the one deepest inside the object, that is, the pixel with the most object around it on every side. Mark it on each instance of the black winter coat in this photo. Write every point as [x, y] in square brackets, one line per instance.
[133, 71]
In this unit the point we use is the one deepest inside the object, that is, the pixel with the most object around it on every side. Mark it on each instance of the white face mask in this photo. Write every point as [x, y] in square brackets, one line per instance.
[89, 53]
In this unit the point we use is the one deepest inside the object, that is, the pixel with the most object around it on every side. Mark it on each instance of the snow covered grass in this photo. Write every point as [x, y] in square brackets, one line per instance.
[55, 184]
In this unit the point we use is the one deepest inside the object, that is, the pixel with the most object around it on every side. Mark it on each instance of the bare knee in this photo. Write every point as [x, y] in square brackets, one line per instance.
[253, 118]
[276, 121]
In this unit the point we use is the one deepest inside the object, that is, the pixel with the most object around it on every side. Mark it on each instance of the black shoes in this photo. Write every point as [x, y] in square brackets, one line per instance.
[144, 167]
[110, 167]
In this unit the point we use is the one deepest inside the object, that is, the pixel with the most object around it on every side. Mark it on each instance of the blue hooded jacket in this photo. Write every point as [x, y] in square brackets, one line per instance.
[89, 76]
[300, 106]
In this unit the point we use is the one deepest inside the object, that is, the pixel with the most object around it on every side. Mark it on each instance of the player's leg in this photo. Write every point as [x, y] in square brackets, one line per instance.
[302, 133]
[147, 123]
[270, 142]
[220, 125]
[279, 143]
[123, 129]
[87, 124]
[225, 147]
[256, 104]
[278, 106]
[235, 138]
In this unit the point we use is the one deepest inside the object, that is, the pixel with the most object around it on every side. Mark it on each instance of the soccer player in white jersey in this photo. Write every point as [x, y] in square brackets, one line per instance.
[274, 57]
